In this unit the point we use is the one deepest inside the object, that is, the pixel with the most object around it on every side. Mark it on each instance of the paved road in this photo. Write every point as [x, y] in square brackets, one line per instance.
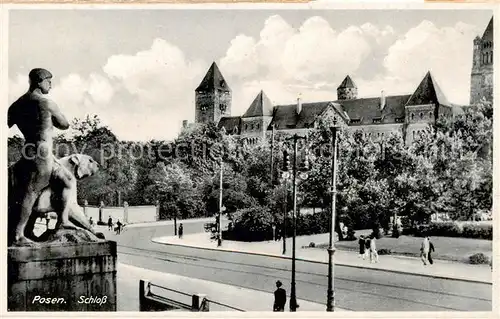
[356, 289]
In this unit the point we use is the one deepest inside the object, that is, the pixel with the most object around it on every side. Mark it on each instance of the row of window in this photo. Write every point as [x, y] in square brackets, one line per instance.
[421, 115]
[418, 133]
[252, 141]
[487, 44]
[488, 57]
[252, 126]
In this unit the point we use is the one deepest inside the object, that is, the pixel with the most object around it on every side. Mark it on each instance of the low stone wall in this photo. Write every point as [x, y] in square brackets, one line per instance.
[136, 214]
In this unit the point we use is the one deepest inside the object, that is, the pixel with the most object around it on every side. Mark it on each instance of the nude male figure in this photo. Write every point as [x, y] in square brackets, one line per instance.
[35, 116]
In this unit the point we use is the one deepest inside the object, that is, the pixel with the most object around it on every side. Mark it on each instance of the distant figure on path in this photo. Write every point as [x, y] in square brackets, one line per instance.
[110, 223]
[279, 297]
[181, 230]
[91, 221]
[373, 250]
[362, 247]
[118, 227]
[425, 251]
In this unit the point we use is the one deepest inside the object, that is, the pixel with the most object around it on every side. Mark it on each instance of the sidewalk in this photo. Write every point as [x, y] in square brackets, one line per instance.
[246, 299]
[401, 264]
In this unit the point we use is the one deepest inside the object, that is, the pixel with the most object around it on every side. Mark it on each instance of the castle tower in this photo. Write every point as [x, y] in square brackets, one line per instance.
[482, 67]
[347, 90]
[213, 97]
[258, 116]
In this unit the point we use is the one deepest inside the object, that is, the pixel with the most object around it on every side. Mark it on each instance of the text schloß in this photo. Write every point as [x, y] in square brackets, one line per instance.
[93, 300]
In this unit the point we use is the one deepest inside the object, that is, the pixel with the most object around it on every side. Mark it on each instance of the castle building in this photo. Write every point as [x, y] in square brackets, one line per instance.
[409, 114]
[481, 85]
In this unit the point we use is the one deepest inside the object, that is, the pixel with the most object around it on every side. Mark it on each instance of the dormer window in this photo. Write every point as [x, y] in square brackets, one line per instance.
[355, 121]
[399, 119]
[377, 120]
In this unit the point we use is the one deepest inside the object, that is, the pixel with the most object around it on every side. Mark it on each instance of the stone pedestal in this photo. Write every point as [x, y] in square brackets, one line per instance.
[68, 277]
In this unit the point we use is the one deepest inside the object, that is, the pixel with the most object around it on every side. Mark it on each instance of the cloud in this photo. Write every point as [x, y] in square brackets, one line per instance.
[140, 96]
[446, 52]
[311, 60]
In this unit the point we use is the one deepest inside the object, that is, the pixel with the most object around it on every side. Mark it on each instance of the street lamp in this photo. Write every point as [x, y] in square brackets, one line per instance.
[330, 302]
[293, 294]
[221, 208]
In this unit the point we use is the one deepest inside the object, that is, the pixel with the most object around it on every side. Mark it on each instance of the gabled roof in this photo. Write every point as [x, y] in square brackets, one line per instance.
[285, 116]
[213, 80]
[428, 92]
[488, 33]
[261, 106]
[347, 83]
[367, 109]
[230, 123]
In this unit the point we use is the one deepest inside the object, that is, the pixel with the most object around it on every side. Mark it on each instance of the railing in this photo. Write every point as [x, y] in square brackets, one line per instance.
[177, 300]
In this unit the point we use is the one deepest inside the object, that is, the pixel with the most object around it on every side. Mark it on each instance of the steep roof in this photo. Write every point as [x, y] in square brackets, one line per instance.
[428, 92]
[213, 80]
[261, 106]
[347, 83]
[488, 33]
[230, 123]
[367, 109]
[286, 117]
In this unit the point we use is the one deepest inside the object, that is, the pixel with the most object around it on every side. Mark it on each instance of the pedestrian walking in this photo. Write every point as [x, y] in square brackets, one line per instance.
[367, 246]
[362, 247]
[118, 227]
[91, 221]
[373, 250]
[110, 223]
[279, 297]
[424, 250]
[431, 250]
[181, 230]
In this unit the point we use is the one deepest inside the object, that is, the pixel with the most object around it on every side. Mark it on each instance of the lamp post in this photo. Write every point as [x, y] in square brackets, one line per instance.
[286, 175]
[330, 302]
[293, 294]
[219, 226]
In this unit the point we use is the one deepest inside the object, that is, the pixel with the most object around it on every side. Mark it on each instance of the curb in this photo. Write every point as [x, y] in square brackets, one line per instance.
[324, 262]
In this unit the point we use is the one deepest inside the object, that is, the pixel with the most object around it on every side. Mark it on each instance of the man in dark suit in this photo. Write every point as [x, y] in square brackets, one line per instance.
[279, 297]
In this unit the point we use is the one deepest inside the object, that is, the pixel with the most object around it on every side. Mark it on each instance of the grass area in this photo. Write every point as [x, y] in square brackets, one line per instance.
[447, 248]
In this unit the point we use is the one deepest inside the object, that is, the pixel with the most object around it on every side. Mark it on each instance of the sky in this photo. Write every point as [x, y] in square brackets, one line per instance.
[138, 69]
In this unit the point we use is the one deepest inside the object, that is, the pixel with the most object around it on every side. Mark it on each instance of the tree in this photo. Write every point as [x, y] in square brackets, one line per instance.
[173, 187]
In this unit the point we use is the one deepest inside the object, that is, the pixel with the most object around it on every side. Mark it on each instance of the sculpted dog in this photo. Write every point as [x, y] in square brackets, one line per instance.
[51, 200]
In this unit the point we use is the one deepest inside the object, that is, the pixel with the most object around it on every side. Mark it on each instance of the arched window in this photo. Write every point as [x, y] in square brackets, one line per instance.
[412, 116]
[258, 125]
[246, 126]
[421, 115]
[491, 57]
[430, 115]
[413, 134]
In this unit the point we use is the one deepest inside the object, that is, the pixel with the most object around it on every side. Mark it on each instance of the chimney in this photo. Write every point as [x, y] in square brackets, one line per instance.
[382, 100]
[184, 123]
[299, 104]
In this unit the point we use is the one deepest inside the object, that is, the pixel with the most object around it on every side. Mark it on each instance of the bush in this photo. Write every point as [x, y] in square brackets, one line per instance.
[482, 231]
[312, 244]
[384, 251]
[479, 258]
[454, 229]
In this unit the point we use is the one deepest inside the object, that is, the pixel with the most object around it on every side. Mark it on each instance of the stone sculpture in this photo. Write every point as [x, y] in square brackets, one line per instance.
[39, 182]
